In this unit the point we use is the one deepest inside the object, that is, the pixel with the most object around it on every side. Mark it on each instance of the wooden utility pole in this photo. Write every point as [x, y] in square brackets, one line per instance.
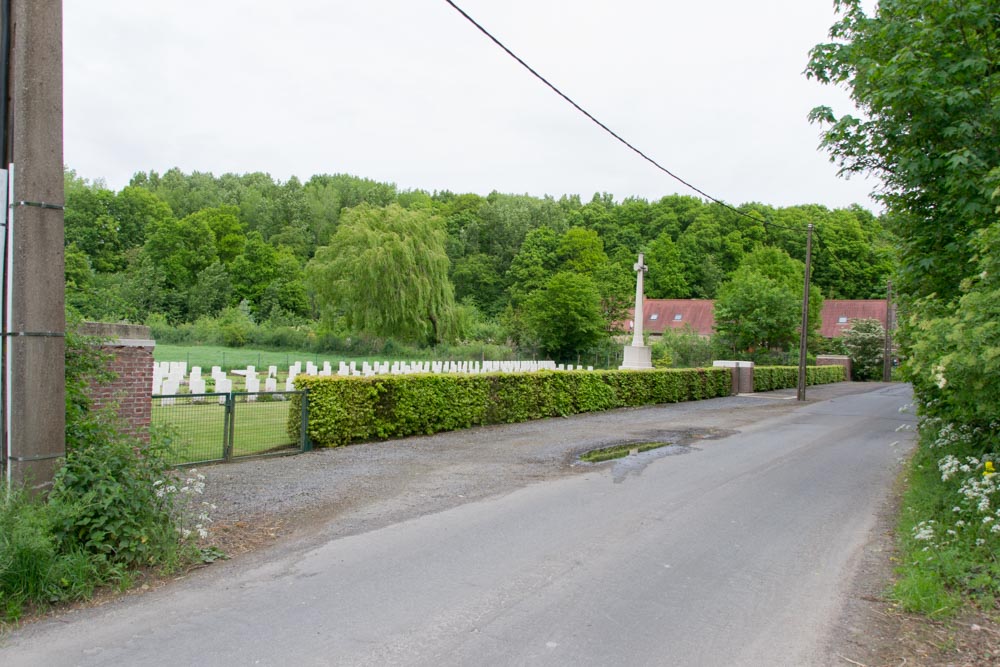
[804, 333]
[34, 322]
[887, 348]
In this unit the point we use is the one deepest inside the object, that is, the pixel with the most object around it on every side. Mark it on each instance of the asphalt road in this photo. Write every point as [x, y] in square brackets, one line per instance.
[736, 551]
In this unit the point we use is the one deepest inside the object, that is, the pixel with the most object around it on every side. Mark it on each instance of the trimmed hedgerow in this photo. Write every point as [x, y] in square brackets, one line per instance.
[350, 409]
[768, 378]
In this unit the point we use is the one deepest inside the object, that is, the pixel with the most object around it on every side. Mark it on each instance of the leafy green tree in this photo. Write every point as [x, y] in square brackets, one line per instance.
[322, 200]
[759, 308]
[90, 225]
[535, 263]
[211, 292]
[138, 210]
[254, 270]
[925, 75]
[184, 193]
[865, 345]
[285, 294]
[712, 247]
[581, 251]
[181, 249]
[754, 312]
[226, 228]
[565, 315]
[386, 272]
[955, 361]
[666, 270]
[79, 276]
[476, 278]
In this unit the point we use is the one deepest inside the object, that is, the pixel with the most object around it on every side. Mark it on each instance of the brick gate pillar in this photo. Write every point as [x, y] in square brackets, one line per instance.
[131, 350]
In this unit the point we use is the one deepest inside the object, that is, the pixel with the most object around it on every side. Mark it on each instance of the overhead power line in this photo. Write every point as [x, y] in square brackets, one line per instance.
[604, 127]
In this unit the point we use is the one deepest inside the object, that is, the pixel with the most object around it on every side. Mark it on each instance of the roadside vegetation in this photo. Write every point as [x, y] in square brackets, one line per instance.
[115, 512]
[926, 76]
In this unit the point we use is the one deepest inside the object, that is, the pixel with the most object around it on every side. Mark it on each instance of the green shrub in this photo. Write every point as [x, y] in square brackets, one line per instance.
[34, 567]
[350, 409]
[769, 378]
[108, 497]
[109, 513]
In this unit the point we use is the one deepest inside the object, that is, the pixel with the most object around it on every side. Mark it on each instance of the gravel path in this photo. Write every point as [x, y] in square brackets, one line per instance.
[347, 490]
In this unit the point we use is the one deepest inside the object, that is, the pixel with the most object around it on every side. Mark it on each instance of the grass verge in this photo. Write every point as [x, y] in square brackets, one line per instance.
[948, 540]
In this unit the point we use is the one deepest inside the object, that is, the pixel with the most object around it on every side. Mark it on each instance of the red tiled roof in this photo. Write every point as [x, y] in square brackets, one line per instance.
[838, 313]
[662, 314]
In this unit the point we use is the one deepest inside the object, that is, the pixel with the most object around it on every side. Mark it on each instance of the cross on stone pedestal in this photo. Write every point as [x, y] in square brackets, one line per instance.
[640, 268]
[637, 356]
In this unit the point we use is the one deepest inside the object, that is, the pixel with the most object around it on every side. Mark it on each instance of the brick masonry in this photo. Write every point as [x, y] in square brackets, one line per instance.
[131, 350]
[835, 360]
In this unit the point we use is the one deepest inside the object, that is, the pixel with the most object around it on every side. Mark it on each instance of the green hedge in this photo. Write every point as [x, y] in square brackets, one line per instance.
[768, 378]
[351, 409]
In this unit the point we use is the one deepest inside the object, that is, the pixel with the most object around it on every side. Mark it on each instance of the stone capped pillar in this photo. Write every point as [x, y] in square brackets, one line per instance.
[131, 351]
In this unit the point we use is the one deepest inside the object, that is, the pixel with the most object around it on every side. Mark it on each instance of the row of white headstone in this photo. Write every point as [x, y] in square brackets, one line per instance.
[168, 376]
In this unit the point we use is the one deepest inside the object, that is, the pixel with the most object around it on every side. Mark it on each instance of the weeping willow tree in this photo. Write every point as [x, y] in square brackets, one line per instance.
[385, 272]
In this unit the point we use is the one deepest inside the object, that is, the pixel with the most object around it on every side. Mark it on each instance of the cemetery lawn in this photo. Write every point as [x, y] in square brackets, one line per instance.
[197, 429]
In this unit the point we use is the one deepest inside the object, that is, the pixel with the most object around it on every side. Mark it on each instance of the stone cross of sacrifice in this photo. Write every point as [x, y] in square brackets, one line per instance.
[640, 268]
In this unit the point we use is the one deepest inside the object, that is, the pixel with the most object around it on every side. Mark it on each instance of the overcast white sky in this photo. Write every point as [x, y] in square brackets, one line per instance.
[407, 91]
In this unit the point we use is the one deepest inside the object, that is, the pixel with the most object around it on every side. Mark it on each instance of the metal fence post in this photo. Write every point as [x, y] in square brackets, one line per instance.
[304, 440]
[230, 425]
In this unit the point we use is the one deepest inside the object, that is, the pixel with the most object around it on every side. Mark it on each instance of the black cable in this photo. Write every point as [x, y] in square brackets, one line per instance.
[605, 127]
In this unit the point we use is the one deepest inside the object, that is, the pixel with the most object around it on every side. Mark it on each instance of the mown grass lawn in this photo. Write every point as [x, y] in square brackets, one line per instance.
[197, 429]
[229, 358]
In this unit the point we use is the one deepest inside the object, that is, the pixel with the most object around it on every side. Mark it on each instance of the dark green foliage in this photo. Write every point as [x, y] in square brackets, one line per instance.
[925, 75]
[34, 566]
[345, 410]
[769, 378]
[106, 493]
[683, 348]
[565, 315]
[106, 515]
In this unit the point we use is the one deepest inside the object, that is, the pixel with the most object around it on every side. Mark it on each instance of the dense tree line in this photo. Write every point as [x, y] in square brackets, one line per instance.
[349, 254]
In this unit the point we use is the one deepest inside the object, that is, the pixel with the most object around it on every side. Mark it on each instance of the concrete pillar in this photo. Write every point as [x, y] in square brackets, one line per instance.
[742, 374]
[37, 420]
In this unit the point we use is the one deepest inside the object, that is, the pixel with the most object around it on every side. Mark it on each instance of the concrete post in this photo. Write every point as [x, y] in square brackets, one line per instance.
[36, 349]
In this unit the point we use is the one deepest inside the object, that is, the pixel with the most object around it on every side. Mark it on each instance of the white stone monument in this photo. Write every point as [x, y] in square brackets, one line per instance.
[637, 355]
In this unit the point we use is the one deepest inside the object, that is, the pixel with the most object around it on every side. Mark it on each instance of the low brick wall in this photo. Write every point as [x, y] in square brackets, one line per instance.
[131, 350]
[835, 360]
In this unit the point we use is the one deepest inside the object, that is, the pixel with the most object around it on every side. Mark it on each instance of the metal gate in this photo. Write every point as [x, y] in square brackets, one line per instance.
[206, 428]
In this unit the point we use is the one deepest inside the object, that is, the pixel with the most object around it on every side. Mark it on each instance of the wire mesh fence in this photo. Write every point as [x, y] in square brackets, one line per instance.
[205, 428]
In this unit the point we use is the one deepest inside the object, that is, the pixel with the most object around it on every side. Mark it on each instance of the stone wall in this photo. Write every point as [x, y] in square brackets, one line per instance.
[131, 350]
